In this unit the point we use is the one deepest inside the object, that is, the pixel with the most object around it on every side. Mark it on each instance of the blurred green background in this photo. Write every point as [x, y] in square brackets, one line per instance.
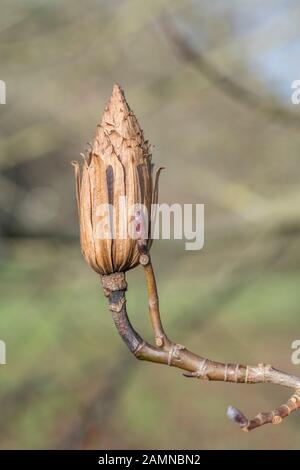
[210, 83]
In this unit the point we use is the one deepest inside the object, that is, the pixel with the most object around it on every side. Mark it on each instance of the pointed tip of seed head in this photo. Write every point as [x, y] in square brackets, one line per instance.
[119, 131]
[117, 88]
[117, 92]
[116, 107]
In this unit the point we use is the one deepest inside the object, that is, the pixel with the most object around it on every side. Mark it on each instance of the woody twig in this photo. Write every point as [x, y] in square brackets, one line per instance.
[176, 355]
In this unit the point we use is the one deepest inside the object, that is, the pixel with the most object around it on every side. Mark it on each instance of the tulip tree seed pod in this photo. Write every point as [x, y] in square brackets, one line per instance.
[115, 191]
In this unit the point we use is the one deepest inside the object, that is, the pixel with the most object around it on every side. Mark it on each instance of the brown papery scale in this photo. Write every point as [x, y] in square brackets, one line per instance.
[118, 164]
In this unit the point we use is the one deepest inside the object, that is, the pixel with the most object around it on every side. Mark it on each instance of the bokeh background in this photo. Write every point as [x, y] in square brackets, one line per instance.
[210, 82]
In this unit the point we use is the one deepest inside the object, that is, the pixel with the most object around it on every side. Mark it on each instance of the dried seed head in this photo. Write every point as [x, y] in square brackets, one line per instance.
[115, 190]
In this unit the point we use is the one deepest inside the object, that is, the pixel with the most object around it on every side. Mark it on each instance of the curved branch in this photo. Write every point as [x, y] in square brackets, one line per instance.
[177, 355]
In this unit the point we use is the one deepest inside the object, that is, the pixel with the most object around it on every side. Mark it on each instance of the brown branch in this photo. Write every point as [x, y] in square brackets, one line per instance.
[227, 85]
[161, 338]
[179, 356]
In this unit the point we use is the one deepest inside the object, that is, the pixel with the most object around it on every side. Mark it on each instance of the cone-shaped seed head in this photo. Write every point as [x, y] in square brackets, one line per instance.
[115, 190]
